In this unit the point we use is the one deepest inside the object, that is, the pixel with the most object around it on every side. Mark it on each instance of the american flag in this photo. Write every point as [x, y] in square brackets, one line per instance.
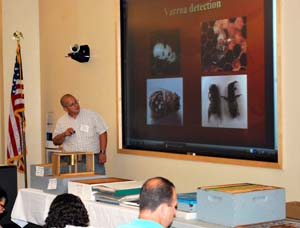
[16, 144]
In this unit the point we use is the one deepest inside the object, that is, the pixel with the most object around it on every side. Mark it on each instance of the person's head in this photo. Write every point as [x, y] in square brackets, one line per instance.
[158, 200]
[70, 104]
[3, 200]
[67, 209]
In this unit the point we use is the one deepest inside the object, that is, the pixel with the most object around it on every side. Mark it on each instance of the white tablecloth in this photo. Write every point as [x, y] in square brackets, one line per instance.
[32, 205]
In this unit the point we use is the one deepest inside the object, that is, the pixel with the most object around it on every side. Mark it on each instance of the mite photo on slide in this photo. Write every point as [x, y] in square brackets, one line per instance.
[164, 101]
[224, 45]
[224, 101]
[165, 52]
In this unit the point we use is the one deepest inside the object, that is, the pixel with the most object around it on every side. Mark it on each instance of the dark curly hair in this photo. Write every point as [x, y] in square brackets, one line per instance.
[67, 209]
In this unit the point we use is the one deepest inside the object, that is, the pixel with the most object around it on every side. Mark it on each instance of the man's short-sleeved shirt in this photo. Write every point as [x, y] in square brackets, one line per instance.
[88, 125]
[141, 223]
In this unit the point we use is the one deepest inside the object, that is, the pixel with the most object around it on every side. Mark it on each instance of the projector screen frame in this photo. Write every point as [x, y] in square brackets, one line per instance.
[191, 155]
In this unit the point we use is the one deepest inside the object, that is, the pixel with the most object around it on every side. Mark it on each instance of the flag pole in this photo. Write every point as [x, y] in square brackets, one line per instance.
[18, 36]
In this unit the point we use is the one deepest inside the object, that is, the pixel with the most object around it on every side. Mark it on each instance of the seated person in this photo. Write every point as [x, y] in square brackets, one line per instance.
[3, 200]
[67, 209]
[158, 202]
[3, 211]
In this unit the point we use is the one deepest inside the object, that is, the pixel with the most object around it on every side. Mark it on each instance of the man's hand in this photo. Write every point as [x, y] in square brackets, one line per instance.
[102, 158]
[59, 139]
[69, 131]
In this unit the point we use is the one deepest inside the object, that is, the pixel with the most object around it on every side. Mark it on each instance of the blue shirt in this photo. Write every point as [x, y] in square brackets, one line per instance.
[141, 223]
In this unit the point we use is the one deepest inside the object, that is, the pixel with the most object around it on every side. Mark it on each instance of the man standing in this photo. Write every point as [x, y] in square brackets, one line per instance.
[81, 130]
[158, 203]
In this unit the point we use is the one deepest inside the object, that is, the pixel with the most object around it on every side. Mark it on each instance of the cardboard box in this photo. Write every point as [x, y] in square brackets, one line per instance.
[293, 210]
[240, 204]
[84, 188]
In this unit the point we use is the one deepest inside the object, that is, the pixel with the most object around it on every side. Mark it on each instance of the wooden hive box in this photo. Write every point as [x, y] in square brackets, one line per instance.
[72, 163]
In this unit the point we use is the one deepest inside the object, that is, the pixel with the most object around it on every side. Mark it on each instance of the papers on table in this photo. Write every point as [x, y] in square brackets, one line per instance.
[119, 189]
[126, 192]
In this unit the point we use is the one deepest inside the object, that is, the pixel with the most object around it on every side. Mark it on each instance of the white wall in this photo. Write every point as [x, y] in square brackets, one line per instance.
[91, 22]
[1, 89]
[23, 16]
[290, 88]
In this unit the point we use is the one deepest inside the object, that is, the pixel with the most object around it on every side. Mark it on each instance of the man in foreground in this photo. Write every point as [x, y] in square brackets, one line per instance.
[158, 203]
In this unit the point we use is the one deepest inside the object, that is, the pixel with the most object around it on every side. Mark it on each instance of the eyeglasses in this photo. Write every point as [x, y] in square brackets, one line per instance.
[76, 102]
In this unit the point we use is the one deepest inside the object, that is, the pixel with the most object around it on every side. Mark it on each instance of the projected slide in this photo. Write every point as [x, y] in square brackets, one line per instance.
[199, 76]
[164, 101]
[224, 101]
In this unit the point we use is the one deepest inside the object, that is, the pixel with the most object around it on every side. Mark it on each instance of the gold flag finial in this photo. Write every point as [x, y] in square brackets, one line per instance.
[18, 36]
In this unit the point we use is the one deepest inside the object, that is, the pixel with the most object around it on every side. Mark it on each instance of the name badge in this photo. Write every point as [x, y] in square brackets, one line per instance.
[84, 128]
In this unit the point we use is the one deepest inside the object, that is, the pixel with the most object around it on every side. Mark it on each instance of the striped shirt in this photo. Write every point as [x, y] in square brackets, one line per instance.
[88, 125]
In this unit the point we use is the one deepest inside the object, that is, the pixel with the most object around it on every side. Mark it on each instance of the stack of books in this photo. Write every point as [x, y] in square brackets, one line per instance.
[84, 188]
[118, 192]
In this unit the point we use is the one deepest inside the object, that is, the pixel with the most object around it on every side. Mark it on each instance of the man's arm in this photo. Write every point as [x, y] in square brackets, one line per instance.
[60, 138]
[103, 144]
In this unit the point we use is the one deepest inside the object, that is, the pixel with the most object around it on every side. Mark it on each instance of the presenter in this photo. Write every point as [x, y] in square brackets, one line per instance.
[81, 130]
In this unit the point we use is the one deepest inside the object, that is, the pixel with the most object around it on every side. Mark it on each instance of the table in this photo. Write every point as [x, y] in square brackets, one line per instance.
[32, 206]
